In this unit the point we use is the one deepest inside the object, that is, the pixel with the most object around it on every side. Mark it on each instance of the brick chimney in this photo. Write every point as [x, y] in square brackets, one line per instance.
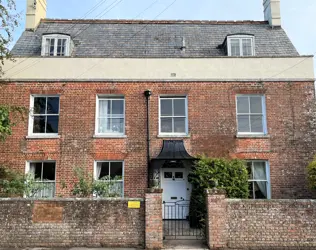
[35, 11]
[272, 12]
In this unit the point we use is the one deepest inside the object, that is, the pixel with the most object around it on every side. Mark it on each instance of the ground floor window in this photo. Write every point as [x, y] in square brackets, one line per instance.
[259, 184]
[44, 174]
[111, 177]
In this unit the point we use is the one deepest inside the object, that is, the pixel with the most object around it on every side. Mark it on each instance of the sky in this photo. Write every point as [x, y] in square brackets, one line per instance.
[298, 16]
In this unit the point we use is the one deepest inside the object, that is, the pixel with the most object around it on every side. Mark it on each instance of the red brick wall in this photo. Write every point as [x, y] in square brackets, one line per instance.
[212, 128]
[153, 219]
[260, 224]
[71, 223]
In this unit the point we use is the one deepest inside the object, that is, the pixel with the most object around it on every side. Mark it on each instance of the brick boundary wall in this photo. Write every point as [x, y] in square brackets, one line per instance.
[260, 224]
[71, 223]
[153, 219]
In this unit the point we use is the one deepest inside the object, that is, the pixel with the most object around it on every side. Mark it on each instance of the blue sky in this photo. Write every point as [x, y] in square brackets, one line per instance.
[298, 16]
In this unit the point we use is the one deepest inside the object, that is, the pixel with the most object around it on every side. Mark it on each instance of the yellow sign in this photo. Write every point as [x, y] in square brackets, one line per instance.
[134, 204]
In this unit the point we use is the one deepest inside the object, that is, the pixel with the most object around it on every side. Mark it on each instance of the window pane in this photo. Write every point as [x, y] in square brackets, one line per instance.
[260, 171]
[166, 125]
[168, 175]
[242, 105]
[179, 107]
[104, 125]
[235, 49]
[250, 186]
[52, 124]
[53, 105]
[39, 105]
[52, 45]
[256, 104]
[39, 124]
[247, 47]
[249, 169]
[104, 108]
[117, 125]
[104, 172]
[166, 107]
[178, 175]
[47, 47]
[116, 169]
[256, 123]
[179, 125]
[260, 188]
[243, 123]
[37, 170]
[117, 107]
[49, 171]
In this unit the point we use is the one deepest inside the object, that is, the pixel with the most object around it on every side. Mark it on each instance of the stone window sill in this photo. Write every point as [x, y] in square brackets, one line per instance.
[110, 136]
[174, 136]
[252, 136]
[42, 137]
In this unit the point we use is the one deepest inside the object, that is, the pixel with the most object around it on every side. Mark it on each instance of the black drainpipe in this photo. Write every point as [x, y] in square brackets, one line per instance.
[147, 94]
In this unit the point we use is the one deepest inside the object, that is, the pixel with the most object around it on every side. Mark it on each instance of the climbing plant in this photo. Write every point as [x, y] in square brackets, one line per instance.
[9, 117]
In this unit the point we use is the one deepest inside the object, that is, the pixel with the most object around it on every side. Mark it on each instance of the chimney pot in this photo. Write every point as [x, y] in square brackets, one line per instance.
[35, 11]
[272, 12]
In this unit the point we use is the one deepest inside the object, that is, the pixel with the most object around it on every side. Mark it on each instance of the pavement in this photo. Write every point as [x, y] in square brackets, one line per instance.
[168, 244]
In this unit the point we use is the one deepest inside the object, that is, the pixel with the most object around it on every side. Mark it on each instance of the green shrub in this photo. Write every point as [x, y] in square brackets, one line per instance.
[311, 174]
[15, 184]
[229, 175]
[85, 186]
[106, 187]
[11, 183]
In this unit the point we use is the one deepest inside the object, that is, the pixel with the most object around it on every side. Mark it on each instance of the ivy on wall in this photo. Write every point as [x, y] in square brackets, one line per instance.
[9, 117]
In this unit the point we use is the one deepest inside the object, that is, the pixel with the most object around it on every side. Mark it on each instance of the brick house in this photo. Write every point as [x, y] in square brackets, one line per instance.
[234, 89]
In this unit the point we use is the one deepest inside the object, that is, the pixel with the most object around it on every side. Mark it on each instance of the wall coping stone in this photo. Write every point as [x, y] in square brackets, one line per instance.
[215, 191]
[271, 201]
[154, 191]
[71, 199]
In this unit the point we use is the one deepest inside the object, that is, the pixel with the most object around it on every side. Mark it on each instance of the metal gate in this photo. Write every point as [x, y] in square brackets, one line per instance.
[177, 222]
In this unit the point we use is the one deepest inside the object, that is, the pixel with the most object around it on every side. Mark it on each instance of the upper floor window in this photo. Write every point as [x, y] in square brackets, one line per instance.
[44, 175]
[44, 115]
[259, 184]
[110, 116]
[173, 115]
[251, 117]
[56, 45]
[240, 45]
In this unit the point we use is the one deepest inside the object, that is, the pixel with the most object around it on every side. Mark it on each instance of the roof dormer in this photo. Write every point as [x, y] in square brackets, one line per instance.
[240, 45]
[56, 45]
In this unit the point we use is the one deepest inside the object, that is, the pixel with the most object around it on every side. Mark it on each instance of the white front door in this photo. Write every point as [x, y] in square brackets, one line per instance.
[174, 185]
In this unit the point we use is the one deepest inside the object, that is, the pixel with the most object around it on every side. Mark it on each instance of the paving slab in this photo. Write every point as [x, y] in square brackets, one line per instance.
[185, 244]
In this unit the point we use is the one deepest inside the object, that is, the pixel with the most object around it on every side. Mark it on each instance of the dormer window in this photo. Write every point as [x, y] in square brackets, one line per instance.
[240, 45]
[56, 45]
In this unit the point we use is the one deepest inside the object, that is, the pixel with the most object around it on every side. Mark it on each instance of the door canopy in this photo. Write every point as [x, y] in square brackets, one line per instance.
[173, 150]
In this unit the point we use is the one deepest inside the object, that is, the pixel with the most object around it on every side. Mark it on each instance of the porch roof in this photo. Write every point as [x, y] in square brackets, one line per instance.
[173, 150]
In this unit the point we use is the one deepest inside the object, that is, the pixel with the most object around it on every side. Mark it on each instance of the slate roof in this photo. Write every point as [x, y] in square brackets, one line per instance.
[154, 39]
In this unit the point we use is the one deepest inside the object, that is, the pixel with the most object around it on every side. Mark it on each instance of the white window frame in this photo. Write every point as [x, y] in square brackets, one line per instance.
[27, 170]
[123, 171]
[267, 165]
[264, 115]
[240, 37]
[109, 97]
[171, 134]
[31, 117]
[56, 37]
